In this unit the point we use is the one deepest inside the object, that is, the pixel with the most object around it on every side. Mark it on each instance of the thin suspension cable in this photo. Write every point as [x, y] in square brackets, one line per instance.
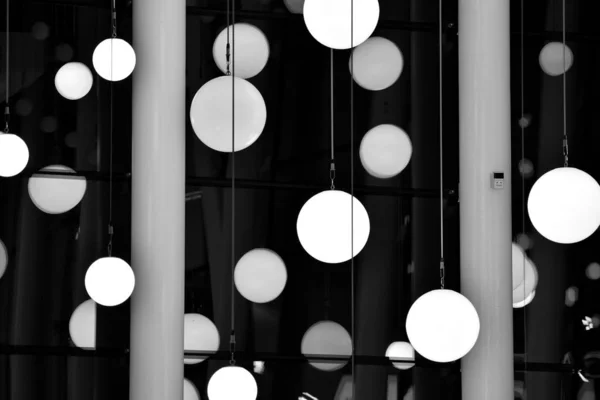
[441, 106]
[114, 18]
[331, 112]
[7, 107]
[232, 341]
[228, 46]
[564, 49]
[110, 164]
[352, 281]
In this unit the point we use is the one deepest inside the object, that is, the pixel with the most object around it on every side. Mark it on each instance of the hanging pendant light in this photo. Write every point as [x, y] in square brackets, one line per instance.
[260, 275]
[190, 392]
[378, 64]
[82, 325]
[327, 338]
[56, 194]
[551, 58]
[73, 80]
[401, 351]
[199, 334]
[252, 51]
[385, 151]
[232, 383]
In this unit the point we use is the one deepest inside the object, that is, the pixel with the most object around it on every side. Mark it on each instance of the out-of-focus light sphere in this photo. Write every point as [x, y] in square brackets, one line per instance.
[385, 151]
[3, 258]
[24, 107]
[190, 392]
[211, 112]
[376, 64]
[251, 48]
[327, 338]
[232, 383]
[82, 325]
[109, 281]
[294, 6]
[40, 30]
[114, 59]
[64, 52]
[593, 271]
[552, 60]
[528, 284]
[564, 205]
[73, 80]
[14, 155]
[571, 296]
[49, 124]
[442, 325]
[525, 302]
[199, 334]
[519, 259]
[524, 241]
[526, 168]
[328, 21]
[401, 351]
[56, 194]
[324, 223]
[260, 275]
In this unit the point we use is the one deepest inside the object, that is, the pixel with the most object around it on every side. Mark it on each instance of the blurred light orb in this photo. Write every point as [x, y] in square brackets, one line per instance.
[564, 205]
[24, 107]
[251, 48]
[442, 325]
[82, 325]
[260, 275]
[48, 124]
[114, 59]
[324, 225]
[232, 383]
[63, 52]
[211, 113]
[73, 80]
[199, 334]
[593, 271]
[14, 155]
[528, 283]
[385, 151]
[109, 281]
[525, 302]
[190, 392]
[3, 258]
[294, 6]
[54, 194]
[571, 296]
[376, 64]
[401, 351]
[526, 168]
[524, 241]
[327, 338]
[40, 30]
[552, 58]
[328, 21]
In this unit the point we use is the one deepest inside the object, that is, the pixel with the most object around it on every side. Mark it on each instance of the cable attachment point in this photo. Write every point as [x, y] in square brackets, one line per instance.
[6, 118]
[111, 232]
[566, 151]
[114, 24]
[232, 348]
[442, 273]
[332, 174]
[228, 59]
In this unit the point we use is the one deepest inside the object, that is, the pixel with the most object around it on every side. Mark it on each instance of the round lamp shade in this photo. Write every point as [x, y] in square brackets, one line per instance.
[385, 151]
[109, 281]
[551, 58]
[525, 302]
[324, 226]
[190, 392]
[82, 325]
[519, 261]
[232, 383]
[294, 6]
[73, 80]
[260, 275]
[14, 155]
[564, 205]
[251, 49]
[528, 284]
[114, 59]
[401, 351]
[327, 338]
[376, 64]
[199, 334]
[211, 114]
[55, 194]
[442, 325]
[328, 21]
[3, 258]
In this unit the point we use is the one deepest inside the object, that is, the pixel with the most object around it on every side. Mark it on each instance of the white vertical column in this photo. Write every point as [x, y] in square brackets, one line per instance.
[485, 213]
[158, 200]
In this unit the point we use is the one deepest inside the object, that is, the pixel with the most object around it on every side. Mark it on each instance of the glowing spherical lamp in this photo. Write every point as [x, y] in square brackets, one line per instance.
[82, 325]
[14, 155]
[328, 21]
[3, 259]
[442, 325]
[564, 205]
[525, 302]
[260, 275]
[190, 392]
[528, 284]
[199, 334]
[109, 281]
[73, 80]
[385, 151]
[376, 64]
[211, 114]
[231, 383]
[114, 59]
[401, 351]
[251, 50]
[55, 194]
[327, 338]
[551, 58]
[519, 261]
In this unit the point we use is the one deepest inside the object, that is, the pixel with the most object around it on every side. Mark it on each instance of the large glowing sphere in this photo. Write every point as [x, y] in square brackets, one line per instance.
[232, 383]
[190, 392]
[199, 334]
[525, 302]
[327, 338]
[385, 151]
[376, 64]
[82, 325]
[564, 205]
[553, 56]
[528, 284]
[211, 113]
[14, 155]
[260, 275]
[56, 194]
[73, 80]
[325, 226]
[114, 59]
[109, 281]
[3, 258]
[328, 21]
[401, 351]
[251, 50]
[442, 325]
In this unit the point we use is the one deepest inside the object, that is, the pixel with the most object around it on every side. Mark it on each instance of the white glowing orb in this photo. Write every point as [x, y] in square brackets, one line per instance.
[251, 50]
[3, 258]
[109, 281]
[232, 383]
[525, 302]
[82, 325]
[401, 351]
[564, 205]
[376, 64]
[327, 338]
[553, 56]
[73, 80]
[329, 21]
[593, 271]
[190, 392]
[294, 6]
[14, 155]
[260, 275]
[519, 260]
[385, 151]
[54, 194]
[114, 59]
[199, 334]
[442, 325]
[528, 284]
[211, 114]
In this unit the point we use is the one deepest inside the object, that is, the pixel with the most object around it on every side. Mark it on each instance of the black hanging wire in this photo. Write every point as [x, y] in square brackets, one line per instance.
[114, 18]
[352, 283]
[331, 112]
[564, 49]
[110, 163]
[232, 339]
[227, 46]
[7, 107]
[441, 105]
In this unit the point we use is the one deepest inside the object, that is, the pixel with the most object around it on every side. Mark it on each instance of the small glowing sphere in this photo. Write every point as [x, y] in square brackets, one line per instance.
[109, 281]
[14, 155]
[385, 151]
[401, 351]
[552, 59]
[294, 6]
[525, 302]
[232, 383]
[260, 275]
[442, 325]
[55, 194]
[593, 271]
[73, 80]
[3, 259]
[82, 325]
[199, 334]
[251, 49]
[114, 59]
[564, 205]
[190, 392]
[571, 296]
[327, 338]
[328, 21]
[211, 114]
[376, 64]
[528, 284]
